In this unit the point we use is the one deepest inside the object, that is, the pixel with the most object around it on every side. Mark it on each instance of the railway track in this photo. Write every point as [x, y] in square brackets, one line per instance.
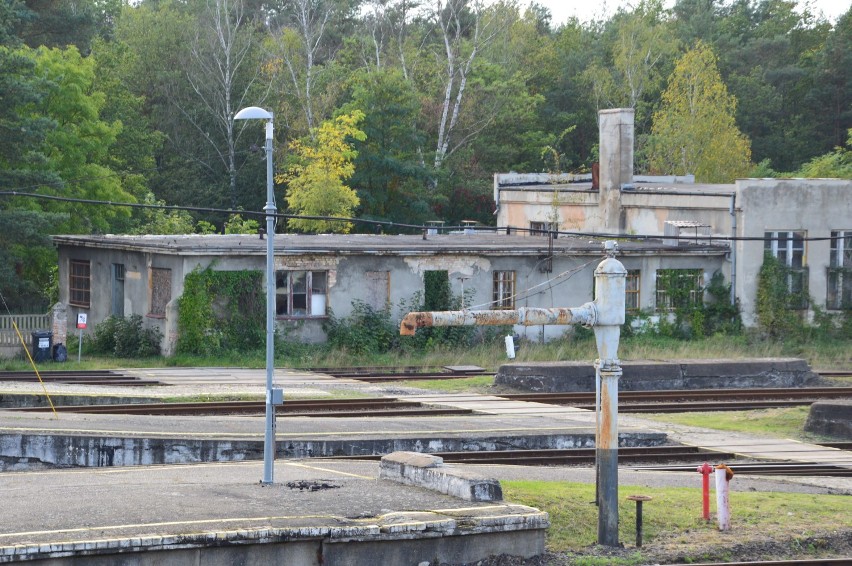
[374, 407]
[84, 377]
[681, 401]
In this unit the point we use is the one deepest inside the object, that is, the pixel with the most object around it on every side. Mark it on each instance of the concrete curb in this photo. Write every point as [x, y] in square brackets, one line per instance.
[401, 526]
[425, 470]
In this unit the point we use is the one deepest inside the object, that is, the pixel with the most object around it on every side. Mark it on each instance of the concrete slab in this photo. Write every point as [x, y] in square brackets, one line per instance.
[167, 514]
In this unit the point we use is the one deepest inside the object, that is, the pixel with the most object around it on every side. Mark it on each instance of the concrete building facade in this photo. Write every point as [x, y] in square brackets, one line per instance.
[318, 275]
[806, 223]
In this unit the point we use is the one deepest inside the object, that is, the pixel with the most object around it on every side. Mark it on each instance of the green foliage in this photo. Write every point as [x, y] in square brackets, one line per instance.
[836, 164]
[694, 130]
[125, 338]
[315, 184]
[774, 303]
[365, 331]
[221, 310]
[236, 224]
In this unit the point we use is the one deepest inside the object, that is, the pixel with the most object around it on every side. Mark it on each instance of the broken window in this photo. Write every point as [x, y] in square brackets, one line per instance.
[839, 292]
[631, 290]
[543, 228]
[436, 291]
[301, 293]
[788, 247]
[161, 291]
[80, 283]
[679, 288]
[504, 290]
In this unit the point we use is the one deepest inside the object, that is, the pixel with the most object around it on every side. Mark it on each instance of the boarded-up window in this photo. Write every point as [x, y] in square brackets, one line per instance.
[80, 283]
[161, 290]
[378, 289]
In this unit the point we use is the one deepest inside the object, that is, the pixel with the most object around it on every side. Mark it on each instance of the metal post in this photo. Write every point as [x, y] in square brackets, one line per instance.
[606, 454]
[80, 345]
[269, 436]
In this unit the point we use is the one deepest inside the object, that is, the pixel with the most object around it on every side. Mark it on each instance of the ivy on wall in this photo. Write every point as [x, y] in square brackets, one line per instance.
[221, 310]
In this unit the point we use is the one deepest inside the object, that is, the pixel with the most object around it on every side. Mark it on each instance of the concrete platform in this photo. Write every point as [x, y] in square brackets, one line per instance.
[833, 418]
[560, 377]
[330, 514]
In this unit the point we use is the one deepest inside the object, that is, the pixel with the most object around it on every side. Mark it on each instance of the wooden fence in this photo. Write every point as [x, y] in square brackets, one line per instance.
[26, 323]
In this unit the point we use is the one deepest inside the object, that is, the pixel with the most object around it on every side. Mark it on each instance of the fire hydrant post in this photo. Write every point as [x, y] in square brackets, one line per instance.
[723, 502]
[705, 470]
[639, 499]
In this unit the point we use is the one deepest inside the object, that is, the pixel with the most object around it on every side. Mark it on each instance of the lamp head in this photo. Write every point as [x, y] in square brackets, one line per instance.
[253, 113]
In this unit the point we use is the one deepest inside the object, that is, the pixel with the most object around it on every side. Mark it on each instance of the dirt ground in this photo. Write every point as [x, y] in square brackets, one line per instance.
[741, 547]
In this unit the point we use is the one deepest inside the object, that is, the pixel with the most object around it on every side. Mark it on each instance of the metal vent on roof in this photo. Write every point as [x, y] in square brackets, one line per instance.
[685, 232]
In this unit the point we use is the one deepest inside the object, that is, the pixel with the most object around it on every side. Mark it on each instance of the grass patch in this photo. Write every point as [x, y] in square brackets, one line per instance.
[478, 384]
[674, 515]
[787, 422]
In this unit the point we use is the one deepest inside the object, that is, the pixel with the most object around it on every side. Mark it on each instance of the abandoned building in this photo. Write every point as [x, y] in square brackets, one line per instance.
[316, 275]
[805, 223]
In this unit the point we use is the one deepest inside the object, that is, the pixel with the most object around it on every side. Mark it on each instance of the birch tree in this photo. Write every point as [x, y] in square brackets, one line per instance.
[222, 74]
[465, 28]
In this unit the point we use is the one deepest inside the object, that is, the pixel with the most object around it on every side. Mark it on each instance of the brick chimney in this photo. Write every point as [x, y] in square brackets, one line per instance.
[616, 164]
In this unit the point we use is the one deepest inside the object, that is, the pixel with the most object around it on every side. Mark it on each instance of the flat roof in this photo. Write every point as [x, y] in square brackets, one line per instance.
[480, 242]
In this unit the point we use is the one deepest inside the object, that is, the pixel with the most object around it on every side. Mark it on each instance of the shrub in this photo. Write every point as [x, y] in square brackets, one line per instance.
[126, 338]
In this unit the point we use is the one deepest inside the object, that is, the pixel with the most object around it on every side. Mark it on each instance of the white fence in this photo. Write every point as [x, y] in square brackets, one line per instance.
[26, 323]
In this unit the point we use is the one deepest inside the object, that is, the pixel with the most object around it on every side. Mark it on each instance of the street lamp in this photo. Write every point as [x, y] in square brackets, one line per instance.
[273, 396]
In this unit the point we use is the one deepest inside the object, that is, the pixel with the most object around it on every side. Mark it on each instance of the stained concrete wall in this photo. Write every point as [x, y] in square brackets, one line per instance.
[815, 206]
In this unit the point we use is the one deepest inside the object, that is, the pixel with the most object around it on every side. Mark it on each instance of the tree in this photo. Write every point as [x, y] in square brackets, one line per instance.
[316, 184]
[694, 131]
[837, 164]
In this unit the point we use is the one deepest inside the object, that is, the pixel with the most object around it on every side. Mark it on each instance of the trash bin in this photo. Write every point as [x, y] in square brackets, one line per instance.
[41, 345]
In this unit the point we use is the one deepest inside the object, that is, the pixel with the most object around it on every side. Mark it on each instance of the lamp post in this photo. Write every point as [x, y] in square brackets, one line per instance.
[273, 396]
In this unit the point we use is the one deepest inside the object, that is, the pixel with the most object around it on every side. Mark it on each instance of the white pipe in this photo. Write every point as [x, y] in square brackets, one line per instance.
[723, 502]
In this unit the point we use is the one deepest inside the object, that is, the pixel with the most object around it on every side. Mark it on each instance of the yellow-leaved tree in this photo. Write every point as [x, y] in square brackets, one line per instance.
[316, 184]
[695, 130]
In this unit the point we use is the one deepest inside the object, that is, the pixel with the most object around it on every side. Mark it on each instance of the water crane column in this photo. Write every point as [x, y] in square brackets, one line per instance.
[605, 315]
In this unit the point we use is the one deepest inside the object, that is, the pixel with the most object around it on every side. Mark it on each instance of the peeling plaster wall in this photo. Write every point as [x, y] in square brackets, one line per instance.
[816, 206]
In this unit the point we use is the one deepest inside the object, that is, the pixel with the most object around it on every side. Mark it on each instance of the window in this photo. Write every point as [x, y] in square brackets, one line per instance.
[80, 283]
[504, 290]
[631, 299]
[300, 293]
[161, 291]
[436, 290]
[679, 288]
[839, 292]
[789, 249]
[543, 228]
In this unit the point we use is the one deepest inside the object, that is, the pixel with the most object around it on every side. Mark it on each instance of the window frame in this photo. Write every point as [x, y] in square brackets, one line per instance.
[632, 303]
[838, 293]
[80, 295]
[544, 228]
[503, 290]
[663, 299]
[288, 290]
[155, 297]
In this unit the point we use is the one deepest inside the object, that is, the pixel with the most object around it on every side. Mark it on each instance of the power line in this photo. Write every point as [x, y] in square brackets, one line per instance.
[416, 227]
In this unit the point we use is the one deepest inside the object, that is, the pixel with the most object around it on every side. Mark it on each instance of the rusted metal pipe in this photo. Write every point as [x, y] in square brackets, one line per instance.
[527, 316]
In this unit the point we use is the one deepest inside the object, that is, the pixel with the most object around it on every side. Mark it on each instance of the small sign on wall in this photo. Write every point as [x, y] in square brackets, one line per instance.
[81, 320]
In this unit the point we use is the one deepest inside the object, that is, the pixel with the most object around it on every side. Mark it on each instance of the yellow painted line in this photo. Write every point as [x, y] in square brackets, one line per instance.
[165, 524]
[140, 469]
[329, 471]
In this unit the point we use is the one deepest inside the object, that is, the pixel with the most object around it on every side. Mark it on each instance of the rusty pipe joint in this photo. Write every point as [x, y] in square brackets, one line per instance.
[527, 316]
